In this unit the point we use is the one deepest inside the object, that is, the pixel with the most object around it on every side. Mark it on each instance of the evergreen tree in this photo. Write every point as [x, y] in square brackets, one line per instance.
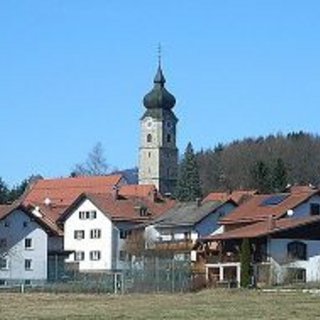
[279, 176]
[17, 190]
[261, 177]
[4, 192]
[245, 260]
[188, 184]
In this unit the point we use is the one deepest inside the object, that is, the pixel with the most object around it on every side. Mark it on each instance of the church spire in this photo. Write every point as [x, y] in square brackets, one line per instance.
[159, 97]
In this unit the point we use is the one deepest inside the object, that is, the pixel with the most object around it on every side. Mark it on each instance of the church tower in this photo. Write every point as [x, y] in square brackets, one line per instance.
[158, 154]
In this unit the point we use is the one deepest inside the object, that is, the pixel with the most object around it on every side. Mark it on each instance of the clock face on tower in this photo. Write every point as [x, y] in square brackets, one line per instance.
[149, 123]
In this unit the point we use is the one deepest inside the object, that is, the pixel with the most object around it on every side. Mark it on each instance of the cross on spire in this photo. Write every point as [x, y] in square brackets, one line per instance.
[159, 54]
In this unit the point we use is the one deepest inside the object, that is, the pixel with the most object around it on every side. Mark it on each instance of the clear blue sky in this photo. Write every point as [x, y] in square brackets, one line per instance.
[74, 72]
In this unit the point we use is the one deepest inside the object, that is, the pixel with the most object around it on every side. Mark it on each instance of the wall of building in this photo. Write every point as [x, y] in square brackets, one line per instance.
[55, 243]
[303, 210]
[280, 260]
[15, 229]
[103, 244]
[210, 224]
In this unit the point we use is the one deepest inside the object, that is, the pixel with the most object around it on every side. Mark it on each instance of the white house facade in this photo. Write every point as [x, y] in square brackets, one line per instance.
[24, 245]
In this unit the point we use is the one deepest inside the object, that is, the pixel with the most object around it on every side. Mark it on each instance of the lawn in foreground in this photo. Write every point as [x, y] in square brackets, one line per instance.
[209, 304]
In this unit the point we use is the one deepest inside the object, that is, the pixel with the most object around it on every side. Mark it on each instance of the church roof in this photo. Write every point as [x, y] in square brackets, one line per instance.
[159, 97]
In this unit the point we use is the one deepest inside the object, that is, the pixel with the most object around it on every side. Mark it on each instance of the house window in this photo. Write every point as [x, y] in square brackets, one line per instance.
[168, 138]
[95, 255]
[122, 255]
[28, 264]
[3, 243]
[3, 282]
[79, 256]
[149, 154]
[297, 250]
[83, 215]
[296, 275]
[4, 265]
[124, 234]
[27, 282]
[25, 224]
[143, 211]
[79, 234]
[187, 235]
[314, 209]
[7, 224]
[95, 234]
[28, 244]
[93, 214]
[149, 137]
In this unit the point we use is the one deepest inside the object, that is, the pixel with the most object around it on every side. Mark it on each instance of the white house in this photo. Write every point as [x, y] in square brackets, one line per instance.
[96, 227]
[189, 220]
[284, 235]
[23, 246]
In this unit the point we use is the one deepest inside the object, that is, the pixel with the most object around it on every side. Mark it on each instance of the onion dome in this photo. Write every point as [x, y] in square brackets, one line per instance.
[159, 97]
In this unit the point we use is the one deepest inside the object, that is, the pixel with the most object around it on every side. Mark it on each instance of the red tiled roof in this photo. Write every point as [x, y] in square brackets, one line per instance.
[237, 196]
[6, 210]
[252, 210]
[124, 208]
[262, 228]
[137, 190]
[64, 191]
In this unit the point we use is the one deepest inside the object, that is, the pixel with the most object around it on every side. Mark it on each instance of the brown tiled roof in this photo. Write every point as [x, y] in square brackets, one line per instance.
[124, 208]
[261, 229]
[137, 190]
[238, 196]
[252, 210]
[6, 210]
[64, 191]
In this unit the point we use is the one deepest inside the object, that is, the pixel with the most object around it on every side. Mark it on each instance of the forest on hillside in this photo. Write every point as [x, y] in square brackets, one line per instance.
[264, 163]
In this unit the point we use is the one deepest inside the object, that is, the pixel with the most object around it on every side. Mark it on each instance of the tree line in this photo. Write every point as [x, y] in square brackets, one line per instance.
[266, 164]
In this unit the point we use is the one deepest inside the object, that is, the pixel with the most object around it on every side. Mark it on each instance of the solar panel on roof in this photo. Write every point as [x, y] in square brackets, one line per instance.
[274, 200]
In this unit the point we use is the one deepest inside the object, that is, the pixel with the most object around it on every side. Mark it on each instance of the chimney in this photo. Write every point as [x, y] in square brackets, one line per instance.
[198, 202]
[115, 192]
[153, 195]
[271, 222]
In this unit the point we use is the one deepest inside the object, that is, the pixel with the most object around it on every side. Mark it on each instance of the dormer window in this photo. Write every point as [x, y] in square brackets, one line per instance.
[143, 212]
[314, 209]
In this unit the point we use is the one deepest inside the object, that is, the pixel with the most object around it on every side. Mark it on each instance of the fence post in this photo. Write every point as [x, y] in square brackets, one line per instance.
[115, 283]
[22, 288]
[172, 275]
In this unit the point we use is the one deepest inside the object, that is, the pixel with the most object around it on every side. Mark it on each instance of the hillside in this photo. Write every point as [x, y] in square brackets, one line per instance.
[266, 163]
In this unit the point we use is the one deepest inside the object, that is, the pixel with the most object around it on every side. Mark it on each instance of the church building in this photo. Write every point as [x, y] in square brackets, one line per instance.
[158, 153]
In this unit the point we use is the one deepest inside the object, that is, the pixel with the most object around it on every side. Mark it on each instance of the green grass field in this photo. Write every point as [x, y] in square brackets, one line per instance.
[211, 304]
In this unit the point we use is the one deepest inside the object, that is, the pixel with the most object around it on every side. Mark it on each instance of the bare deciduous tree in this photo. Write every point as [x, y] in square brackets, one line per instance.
[95, 165]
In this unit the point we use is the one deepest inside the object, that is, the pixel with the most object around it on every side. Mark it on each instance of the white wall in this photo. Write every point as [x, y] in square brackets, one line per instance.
[15, 233]
[104, 244]
[278, 253]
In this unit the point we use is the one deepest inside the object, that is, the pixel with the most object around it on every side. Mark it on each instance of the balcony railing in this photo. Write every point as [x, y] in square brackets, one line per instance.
[175, 245]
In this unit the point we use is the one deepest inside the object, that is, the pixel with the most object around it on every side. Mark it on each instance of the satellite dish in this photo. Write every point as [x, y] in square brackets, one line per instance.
[290, 213]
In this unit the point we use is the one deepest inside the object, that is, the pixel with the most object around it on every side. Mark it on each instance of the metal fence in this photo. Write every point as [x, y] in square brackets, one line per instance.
[149, 274]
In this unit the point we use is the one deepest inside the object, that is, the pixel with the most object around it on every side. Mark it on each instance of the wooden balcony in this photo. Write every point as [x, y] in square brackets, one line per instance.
[175, 245]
